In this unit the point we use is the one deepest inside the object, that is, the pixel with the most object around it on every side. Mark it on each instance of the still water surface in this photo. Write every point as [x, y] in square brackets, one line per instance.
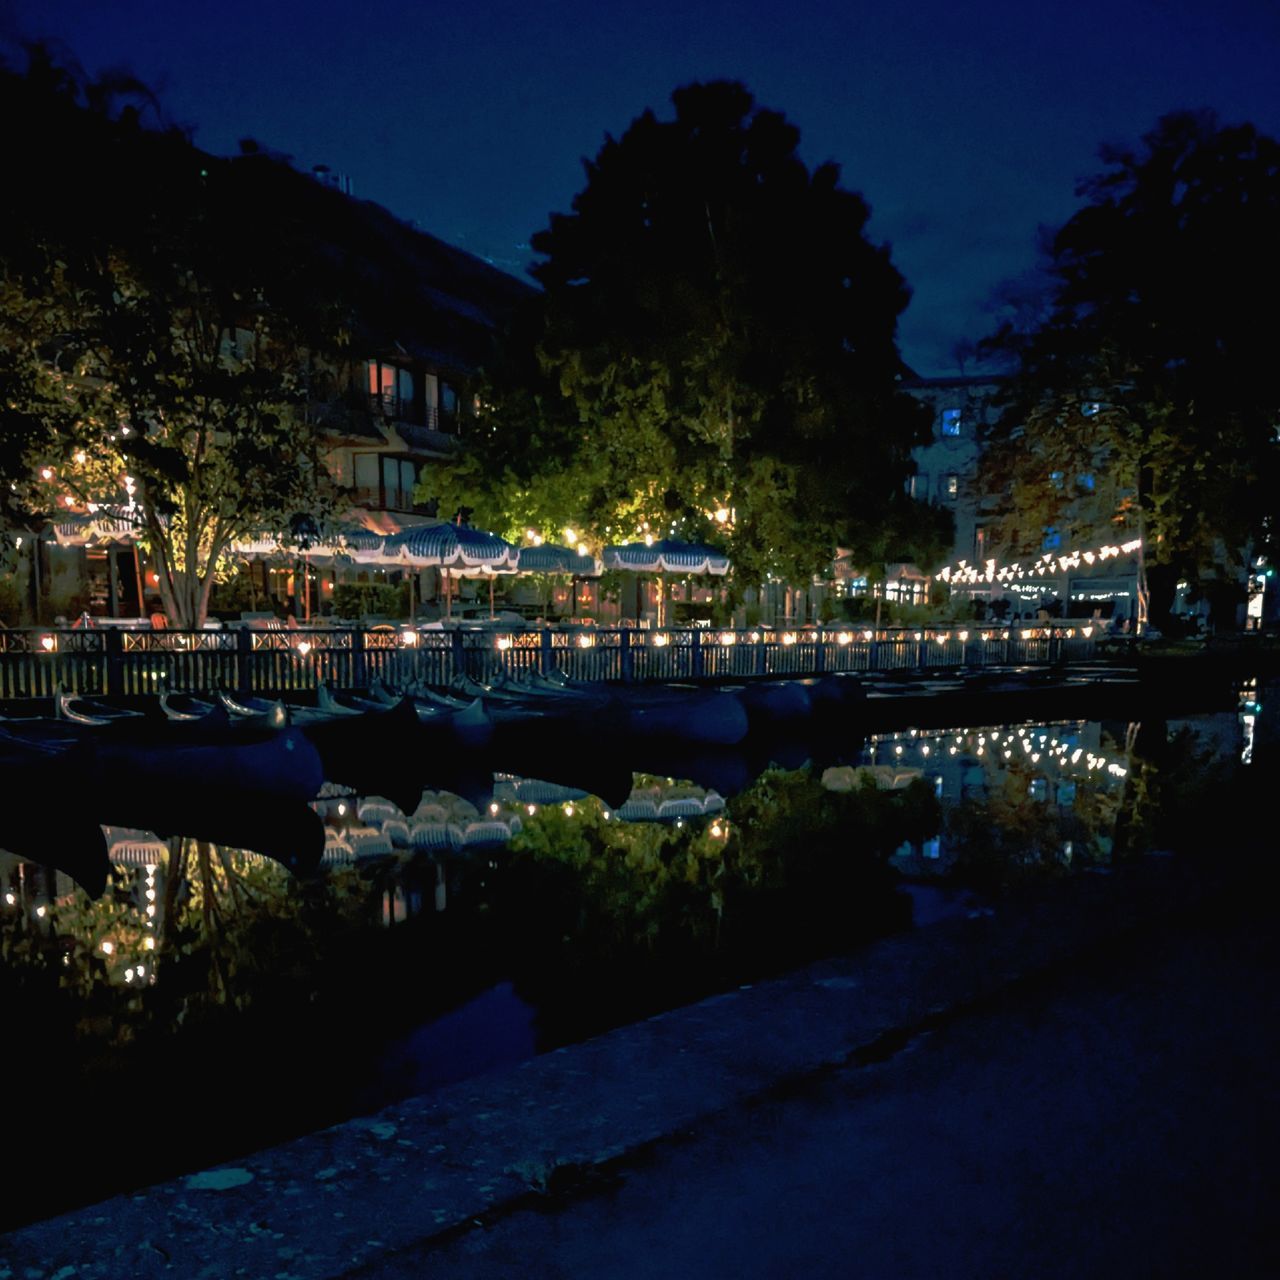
[208, 1003]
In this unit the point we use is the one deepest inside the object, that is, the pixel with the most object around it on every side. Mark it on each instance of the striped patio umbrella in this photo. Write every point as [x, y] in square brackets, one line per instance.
[548, 558]
[325, 545]
[452, 548]
[98, 527]
[667, 556]
[364, 546]
[344, 541]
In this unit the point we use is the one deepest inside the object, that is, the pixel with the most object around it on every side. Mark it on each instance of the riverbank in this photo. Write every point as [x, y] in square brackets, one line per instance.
[383, 1194]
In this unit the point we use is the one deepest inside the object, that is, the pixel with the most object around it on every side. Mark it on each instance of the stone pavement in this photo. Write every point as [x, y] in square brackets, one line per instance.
[1080, 1086]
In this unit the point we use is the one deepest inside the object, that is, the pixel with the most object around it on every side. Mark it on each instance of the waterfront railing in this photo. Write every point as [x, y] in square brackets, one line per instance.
[35, 662]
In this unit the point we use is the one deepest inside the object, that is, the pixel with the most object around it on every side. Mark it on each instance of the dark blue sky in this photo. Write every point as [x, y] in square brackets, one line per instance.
[965, 126]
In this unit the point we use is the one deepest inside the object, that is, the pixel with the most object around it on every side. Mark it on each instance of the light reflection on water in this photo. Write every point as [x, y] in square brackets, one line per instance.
[1066, 766]
[481, 929]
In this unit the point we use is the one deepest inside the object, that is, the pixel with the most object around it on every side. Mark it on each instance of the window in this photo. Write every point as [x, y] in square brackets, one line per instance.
[1052, 539]
[953, 485]
[951, 422]
[384, 481]
[918, 486]
[431, 399]
[397, 483]
[1085, 481]
[366, 478]
[390, 388]
[1055, 479]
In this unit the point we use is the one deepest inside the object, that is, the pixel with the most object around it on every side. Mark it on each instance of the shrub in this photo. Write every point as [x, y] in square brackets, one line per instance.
[355, 599]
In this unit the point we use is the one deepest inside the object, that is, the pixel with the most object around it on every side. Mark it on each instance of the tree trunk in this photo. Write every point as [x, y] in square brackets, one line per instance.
[1162, 585]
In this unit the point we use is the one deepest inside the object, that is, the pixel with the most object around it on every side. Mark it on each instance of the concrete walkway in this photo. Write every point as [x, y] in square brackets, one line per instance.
[1083, 1086]
[1121, 1122]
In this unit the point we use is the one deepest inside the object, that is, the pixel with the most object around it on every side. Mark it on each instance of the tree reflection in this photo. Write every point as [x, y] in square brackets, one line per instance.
[608, 915]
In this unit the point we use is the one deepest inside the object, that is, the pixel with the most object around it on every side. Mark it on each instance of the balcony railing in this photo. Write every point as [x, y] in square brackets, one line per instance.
[376, 499]
[394, 408]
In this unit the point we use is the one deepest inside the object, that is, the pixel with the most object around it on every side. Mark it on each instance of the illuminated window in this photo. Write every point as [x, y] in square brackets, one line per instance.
[952, 485]
[1085, 480]
[951, 422]
[390, 388]
[918, 486]
[1052, 539]
[384, 481]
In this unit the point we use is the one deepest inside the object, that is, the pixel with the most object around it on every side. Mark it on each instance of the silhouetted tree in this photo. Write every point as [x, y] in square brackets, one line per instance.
[1145, 399]
[165, 325]
[717, 334]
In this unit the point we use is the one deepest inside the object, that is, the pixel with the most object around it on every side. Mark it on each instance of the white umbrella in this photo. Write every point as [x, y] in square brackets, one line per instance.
[667, 555]
[451, 547]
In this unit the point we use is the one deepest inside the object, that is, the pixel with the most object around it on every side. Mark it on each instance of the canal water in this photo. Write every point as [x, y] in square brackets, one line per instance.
[209, 1004]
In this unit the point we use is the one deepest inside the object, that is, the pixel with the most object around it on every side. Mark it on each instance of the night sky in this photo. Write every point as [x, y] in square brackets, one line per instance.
[965, 126]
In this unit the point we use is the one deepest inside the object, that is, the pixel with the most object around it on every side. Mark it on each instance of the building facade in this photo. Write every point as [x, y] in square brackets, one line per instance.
[426, 317]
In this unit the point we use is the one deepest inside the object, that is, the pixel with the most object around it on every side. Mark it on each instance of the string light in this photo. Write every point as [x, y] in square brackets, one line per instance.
[962, 573]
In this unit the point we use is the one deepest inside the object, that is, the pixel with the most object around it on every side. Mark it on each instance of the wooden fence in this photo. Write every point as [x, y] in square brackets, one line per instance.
[118, 661]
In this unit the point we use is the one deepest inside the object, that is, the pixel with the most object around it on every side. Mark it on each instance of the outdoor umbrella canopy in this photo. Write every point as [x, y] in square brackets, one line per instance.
[450, 546]
[667, 556]
[364, 546]
[97, 527]
[453, 548]
[353, 542]
[548, 558]
[314, 546]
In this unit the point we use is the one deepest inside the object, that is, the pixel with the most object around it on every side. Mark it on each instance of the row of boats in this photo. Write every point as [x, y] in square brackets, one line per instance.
[242, 771]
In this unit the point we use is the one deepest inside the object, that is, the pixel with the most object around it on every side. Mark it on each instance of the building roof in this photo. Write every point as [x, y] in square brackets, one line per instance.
[413, 293]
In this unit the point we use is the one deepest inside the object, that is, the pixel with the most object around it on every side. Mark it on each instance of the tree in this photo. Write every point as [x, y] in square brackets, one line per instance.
[715, 353]
[166, 321]
[1144, 399]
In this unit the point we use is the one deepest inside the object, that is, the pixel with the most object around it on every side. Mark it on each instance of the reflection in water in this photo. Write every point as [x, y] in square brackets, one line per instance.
[459, 933]
[1019, 801]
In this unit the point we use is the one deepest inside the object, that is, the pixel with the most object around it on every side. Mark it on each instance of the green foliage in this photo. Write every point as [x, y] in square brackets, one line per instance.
[381, 599]
[787, 820]
[1003, 837]
[10, 602]
[1149, 365]
[790, 870]
[715, 331]
[1179, 793]
[169, 346]
[235, 593]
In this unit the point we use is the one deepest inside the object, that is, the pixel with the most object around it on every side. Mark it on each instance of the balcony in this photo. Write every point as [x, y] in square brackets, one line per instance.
[392, 408]
[374, 498]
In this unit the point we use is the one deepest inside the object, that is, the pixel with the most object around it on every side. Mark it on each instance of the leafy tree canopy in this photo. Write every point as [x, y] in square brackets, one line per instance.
[1145, 398]
[713, 355]
[165, 325]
